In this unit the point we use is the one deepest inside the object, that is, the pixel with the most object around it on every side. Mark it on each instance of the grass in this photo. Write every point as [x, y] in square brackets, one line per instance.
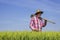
[25, 35]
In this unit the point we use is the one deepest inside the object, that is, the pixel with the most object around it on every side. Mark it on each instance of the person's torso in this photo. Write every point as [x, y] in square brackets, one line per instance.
[37, 22]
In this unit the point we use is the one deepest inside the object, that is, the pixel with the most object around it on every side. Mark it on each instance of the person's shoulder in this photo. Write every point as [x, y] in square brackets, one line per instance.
[33, 18]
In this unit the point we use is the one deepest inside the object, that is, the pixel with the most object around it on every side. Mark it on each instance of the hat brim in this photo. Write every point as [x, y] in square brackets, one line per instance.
[41, 12]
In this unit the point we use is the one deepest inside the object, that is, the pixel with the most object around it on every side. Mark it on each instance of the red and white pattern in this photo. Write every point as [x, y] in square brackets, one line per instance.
[36, 23]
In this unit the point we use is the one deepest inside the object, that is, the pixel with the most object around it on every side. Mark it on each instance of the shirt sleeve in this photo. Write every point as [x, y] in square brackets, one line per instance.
[43, 23]
[31, 23]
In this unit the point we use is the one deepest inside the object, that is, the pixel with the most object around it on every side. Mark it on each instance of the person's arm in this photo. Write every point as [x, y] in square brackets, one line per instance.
[31, 24]
[45, 23]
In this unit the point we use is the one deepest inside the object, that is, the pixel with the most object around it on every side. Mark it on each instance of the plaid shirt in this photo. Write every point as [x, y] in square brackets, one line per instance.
[36, 23]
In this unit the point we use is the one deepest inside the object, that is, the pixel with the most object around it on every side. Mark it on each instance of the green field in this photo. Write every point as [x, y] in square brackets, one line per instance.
[29, 35]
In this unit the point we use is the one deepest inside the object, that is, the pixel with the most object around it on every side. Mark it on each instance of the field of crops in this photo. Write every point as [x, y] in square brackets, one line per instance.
[29, 35]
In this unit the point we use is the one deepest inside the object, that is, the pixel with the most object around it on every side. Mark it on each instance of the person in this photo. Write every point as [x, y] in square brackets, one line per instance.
[36, 22]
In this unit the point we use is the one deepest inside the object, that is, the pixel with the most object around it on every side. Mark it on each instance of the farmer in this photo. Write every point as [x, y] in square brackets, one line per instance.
[37, 22]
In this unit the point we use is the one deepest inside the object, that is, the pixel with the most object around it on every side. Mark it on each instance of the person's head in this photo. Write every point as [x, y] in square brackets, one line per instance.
[39, 13]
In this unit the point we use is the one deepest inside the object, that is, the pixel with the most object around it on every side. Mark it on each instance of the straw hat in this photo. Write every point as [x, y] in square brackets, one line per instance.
[39, 12]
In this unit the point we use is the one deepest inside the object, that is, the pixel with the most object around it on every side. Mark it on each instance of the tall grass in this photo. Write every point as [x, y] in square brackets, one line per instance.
[29, 35]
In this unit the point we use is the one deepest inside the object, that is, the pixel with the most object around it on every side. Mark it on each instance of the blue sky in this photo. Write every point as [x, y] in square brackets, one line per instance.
[15, 14]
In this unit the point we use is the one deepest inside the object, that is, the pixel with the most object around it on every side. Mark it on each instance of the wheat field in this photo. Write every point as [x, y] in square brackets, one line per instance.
[25, 35]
